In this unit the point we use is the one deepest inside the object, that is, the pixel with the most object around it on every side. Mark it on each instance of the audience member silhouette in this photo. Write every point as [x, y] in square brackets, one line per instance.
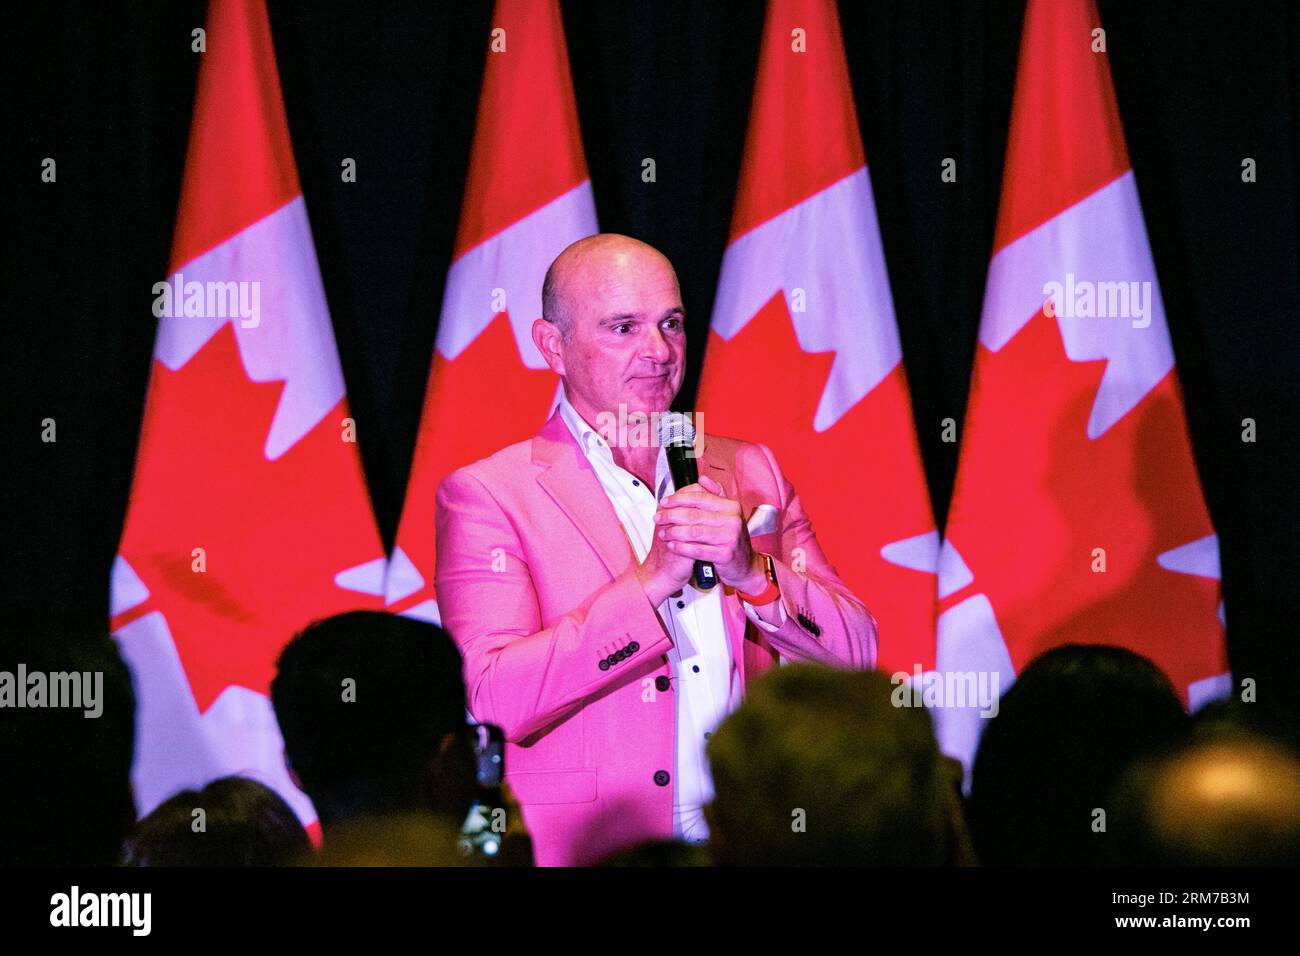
[68, 799]
[1065, 730]
[819, 767]
[407, 839]
[1225, 799]
[372, 710]
[233, 821]
[659, 853]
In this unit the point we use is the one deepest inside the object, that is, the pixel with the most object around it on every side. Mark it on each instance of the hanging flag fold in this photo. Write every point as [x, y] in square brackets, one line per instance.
[803, 353]
[527, 197]
[1077, 514]
[249, 514]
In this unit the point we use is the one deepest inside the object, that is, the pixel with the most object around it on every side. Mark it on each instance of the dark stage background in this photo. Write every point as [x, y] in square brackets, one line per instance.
[107, 90]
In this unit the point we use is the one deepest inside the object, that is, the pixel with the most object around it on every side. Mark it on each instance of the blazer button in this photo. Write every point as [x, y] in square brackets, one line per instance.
[662, 683]
[662, 778]
[603, 665]
[634, 647]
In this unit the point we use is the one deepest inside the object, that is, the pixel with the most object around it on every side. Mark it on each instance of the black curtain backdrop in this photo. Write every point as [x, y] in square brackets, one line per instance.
[107, 91]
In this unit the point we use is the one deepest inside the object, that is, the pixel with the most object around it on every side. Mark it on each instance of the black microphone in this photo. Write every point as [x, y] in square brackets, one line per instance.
[677, 436]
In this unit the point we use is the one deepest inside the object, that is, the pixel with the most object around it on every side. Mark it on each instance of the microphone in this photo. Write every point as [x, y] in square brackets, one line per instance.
[677, 436]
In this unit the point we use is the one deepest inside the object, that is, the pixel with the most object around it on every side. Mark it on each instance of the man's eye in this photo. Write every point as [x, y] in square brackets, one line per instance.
[673, 324]
[622, 325]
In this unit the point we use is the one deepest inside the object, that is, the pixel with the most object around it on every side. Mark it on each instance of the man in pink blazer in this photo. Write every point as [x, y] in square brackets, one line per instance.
[566, 581]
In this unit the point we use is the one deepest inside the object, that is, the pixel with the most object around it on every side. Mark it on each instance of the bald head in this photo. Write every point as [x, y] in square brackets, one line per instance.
[613, 327]
[605, 252]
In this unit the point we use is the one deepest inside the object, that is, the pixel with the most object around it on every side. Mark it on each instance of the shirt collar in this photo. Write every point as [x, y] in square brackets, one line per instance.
[589, 440]
[593, 444]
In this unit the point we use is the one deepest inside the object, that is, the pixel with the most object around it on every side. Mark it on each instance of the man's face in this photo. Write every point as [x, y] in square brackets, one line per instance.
[627, 338]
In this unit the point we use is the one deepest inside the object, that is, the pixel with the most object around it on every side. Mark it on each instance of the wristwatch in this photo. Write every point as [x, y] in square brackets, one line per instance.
[769, 593]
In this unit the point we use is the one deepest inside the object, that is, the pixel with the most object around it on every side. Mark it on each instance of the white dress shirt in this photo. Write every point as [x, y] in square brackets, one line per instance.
[706, 683]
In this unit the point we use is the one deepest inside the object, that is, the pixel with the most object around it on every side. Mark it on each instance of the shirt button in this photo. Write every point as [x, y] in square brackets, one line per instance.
[636, 483]
[696, 668]
[662, 683]
[662, 778]
[681, 604]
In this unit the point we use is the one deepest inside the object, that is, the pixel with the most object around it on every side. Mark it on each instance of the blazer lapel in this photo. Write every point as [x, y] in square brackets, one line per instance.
[567, 477]
[716, 468]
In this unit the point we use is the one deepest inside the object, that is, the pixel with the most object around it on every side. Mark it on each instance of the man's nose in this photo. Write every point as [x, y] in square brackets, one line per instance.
[656, 347]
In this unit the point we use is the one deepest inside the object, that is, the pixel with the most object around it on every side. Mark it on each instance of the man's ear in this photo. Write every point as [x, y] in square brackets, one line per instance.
[547, 339]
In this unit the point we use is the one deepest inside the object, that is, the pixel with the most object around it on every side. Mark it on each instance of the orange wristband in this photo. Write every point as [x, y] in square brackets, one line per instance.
[769, 593]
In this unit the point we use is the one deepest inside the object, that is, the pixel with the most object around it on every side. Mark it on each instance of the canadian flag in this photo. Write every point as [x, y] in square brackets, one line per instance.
[249, 515]
[803, 352]
[528, 196]
[1077, 515]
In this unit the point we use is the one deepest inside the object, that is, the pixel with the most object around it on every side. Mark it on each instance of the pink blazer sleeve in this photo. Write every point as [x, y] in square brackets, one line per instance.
[519, 674]
[843, 632]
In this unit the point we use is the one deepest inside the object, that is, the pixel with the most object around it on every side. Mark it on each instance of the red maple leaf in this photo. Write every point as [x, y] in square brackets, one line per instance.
[860, 480]
[477, 404]
[1036, 496]
[273, 533]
